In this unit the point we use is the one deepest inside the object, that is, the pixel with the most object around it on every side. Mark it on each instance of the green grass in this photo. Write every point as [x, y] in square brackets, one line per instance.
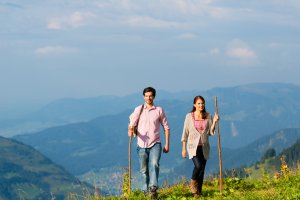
[284, 185]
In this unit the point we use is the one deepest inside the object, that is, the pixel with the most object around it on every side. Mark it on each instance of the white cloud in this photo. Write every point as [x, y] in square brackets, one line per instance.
[48, 50]
[74, 20]
[241, 53]
[184, 6]
[162, 13]
[186, 14]
[149, 22]
[221, 13]
[214, 51]
[187, 36]
[54, 24]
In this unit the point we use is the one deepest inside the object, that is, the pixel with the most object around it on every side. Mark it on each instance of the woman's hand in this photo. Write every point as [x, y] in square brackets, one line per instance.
[216, 117]
[183, 153]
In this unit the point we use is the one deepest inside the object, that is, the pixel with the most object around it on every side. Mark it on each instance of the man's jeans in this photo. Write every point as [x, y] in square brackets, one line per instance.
[149, 165]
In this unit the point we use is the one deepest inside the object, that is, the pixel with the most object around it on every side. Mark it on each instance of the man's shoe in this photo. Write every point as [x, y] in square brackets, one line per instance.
[153, 192]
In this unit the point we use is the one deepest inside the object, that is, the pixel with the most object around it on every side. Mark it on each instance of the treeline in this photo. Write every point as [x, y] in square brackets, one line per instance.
[291, 156]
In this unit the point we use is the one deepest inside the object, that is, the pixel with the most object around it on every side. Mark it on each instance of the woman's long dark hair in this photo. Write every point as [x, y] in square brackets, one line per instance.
[203, 112]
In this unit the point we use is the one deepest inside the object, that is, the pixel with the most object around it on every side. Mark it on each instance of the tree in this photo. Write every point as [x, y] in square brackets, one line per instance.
[268, 154]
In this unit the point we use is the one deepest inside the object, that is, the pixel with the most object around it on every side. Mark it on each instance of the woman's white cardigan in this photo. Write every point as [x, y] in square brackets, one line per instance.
[192, 136]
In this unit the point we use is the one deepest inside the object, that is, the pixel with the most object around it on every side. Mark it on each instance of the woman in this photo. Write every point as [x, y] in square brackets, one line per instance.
[198, 126]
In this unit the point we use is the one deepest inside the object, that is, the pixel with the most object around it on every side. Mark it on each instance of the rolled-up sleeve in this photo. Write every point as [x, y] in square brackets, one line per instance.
[164, 121]
[133, 118]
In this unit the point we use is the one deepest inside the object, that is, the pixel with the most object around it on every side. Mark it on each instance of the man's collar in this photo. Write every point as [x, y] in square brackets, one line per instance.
[145, 106]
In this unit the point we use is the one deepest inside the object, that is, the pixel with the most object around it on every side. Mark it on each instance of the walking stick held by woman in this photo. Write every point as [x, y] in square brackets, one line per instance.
[219, 148]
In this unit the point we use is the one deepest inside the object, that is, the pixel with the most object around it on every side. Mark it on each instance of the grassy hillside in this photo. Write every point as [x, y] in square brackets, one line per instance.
[284, 184]
[79, 148]
[27, 174]
[264, 180]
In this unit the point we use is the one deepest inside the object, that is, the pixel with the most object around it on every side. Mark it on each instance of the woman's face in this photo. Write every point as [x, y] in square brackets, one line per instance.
[199, 105]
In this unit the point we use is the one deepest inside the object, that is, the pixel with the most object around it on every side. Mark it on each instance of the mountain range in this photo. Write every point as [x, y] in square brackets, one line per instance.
[254, 118]
[247, 111]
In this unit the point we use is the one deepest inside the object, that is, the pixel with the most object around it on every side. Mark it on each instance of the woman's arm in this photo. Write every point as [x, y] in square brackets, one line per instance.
[183, 152]
[184, 137]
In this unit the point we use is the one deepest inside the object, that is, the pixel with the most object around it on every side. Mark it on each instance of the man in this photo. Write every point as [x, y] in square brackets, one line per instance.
[148, 118]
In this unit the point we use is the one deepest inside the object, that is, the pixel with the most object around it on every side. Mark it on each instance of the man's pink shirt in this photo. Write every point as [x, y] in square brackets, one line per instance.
[149, 125]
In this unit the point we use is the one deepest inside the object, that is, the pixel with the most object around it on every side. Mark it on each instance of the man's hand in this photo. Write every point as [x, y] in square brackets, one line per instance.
[130, 131]
[166, 149]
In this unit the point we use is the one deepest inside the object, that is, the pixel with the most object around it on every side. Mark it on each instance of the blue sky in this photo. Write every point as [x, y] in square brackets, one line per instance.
[84, 48]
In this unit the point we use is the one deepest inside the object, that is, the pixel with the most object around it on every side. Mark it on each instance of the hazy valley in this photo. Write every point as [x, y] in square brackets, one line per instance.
[88, 137]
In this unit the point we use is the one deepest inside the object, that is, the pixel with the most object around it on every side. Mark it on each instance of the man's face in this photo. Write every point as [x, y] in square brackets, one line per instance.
[148, 97]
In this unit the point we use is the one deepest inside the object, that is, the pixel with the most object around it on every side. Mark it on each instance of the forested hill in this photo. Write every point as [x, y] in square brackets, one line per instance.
[271, 161]
[27, 174]
[291, 154]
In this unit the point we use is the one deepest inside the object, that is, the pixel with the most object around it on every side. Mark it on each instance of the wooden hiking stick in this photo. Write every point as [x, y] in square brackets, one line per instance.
[129, 149]
[129, 165]
[219, 148]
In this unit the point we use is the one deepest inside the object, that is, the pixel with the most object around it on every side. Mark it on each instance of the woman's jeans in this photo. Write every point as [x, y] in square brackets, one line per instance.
[199, 167]
[149, 165]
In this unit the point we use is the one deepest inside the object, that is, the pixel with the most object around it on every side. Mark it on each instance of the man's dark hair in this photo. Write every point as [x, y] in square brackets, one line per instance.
[149, 89]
